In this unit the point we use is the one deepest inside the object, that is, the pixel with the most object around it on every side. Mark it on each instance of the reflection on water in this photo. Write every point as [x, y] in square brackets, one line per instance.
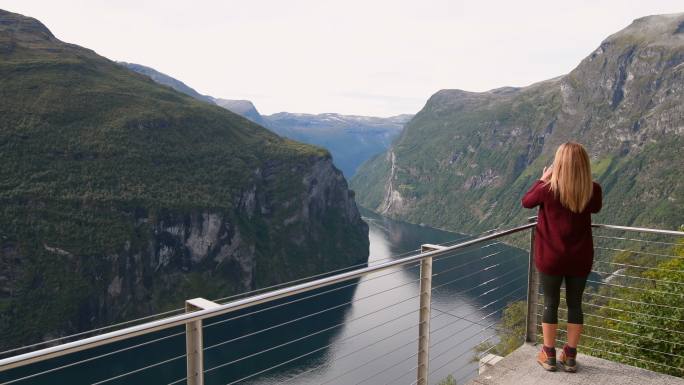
[358, 332]
[377, 343]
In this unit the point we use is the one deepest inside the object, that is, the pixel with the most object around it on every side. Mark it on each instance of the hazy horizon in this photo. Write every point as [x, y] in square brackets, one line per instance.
[380, 59]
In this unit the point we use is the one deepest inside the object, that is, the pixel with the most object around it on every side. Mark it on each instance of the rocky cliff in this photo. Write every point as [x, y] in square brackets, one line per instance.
[122, 198]
[464, 161]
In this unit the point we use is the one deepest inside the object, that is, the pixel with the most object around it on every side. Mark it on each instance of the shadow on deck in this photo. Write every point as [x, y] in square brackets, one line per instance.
[521, 368]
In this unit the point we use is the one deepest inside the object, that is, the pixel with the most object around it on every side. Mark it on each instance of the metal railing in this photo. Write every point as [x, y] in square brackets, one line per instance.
[623, 303]
[501, 281]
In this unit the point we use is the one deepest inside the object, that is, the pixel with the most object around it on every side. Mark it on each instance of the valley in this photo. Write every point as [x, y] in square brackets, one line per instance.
[465, 160]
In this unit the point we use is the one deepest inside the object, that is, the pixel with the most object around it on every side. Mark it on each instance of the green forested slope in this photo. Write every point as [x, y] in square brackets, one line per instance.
[120, 197]
[465, 160]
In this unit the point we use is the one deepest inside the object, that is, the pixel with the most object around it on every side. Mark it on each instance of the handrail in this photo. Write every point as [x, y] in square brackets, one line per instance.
[627, 228]
[182, 319]
[639, 229]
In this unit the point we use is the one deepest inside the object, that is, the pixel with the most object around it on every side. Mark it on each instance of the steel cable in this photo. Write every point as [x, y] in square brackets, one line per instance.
[640, 252]
[316, 350]
[616, 274]
[295, 340]
[629, 345]
[318, 294]
[93, 358]
[463, 318]
[26, 347]
[633, 301]
[242, 358]
[451, 268]
[627, 322]
[624, 311]
[472, 323]
[321, 312]
[432, 346]
[638, 240]
[447, 313]
[357, 350]
[139, 370]
[639, 267]
[373, 360]
[393, 381]
[635, 288]
[306, 297]
[388, 368]
[178, 310]
[467, 350]
[479, 356]
[310, 335]
[478, 272]
[449, 256]
[616, 331]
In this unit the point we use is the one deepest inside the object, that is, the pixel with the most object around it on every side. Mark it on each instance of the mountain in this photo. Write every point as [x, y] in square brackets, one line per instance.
[242, 107]
[465, 160]
[167, 81]
[350, 139]
[120, 197]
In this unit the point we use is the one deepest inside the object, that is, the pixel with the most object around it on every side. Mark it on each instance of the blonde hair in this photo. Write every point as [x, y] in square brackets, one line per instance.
[571, 176]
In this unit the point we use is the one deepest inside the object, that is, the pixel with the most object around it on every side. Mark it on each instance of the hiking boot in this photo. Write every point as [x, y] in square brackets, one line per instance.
[547, 361]
[567, 361]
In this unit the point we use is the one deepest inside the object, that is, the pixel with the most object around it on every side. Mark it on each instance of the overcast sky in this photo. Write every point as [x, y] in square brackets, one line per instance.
[368, 57]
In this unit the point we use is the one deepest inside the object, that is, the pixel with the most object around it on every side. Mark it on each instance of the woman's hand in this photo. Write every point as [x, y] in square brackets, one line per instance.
[546, 174]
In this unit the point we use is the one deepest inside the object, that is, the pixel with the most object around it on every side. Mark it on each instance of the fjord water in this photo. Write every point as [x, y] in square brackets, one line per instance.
[363, 331]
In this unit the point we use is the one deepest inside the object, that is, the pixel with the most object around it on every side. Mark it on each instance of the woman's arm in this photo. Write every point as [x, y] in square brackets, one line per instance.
[596, 199]
[534, 196]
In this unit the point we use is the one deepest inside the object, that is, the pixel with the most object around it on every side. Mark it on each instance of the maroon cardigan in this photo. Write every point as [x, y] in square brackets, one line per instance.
[563, 244]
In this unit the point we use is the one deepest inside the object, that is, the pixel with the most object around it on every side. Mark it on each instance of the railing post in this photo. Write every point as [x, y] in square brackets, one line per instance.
[532, 292]
[424, 322]
[193, 341]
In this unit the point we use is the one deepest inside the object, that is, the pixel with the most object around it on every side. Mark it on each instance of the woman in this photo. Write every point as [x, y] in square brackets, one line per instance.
[563, 245]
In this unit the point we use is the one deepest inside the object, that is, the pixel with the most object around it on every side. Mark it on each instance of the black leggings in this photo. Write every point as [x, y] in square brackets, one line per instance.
[574, 287]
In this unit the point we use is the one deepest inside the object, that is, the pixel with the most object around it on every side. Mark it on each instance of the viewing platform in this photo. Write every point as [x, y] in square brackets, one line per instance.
[633, 312]
[521, 368]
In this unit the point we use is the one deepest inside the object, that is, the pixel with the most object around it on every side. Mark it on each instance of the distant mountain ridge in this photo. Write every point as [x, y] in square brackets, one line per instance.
[351, 139]
[465, 160]
[242, 107]
[167, 80]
